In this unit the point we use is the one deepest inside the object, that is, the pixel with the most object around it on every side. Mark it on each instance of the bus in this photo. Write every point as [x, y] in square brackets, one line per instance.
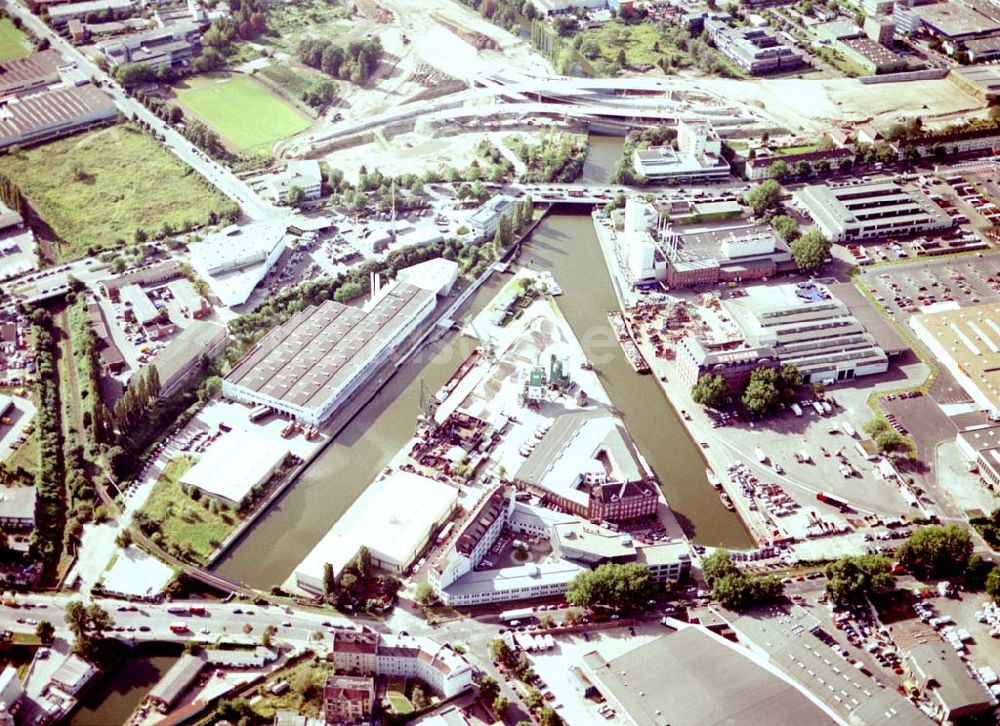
[520, 614]
[178, 628]
[178, 610]
[198, 610]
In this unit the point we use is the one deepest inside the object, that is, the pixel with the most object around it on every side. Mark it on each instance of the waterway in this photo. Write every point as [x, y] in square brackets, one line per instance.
[112, 701]
[567, 245]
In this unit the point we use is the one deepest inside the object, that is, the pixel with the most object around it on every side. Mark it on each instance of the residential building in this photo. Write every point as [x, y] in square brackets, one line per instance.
[348, 699]
[483, 222]
[698, 157]
[302, 174]
[760, 167]
[949, 144]
[697, 358]
[877, 8]
[159, 48]
[806, 326]
[857, 211]
[17, 507]
[946, 682]
[966, 341]
[757, 51]
[554, 7]
[60, 15]
[477, 534]
[309, 367]
[906, 18]
[57, 112]
[368, 653]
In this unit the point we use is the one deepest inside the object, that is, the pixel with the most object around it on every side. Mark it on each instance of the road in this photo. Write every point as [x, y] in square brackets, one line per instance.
[225, 181]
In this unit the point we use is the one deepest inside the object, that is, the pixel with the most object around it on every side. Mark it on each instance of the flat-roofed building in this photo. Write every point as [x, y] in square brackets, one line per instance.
[483, 222]
[302, 174]
[157, 48]
[978, 440]
[966, 341]
[853, 212]
[692, 677]
[756, 50]
[73, 674]
[477, 533]
[946, 682]
[526, 582]
[310, 366]
[232, 466]
[149, 275]
[28, 74]
[60, 15]
[722, 252]
[805, 325]
[592, 545]
[138, 305]
[54, 113]
[698, 157]
[348, 699]
[871, 55]
[234, 260]
[17, 507]
[956, 21]
[394, 518]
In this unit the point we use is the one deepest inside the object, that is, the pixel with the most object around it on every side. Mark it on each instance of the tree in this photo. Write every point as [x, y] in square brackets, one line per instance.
[887, 438]
[789, 376]
[761, 393]
[329, 581]
[739, 591]
[786, 227]
[993, 584]
[810, 250]
[364, 562]
[424, 594]
[764, 197]
[778, 169]
[710, 391]
[936, 552]
[267, 635]
[622, 586]
[500, 706]
[717, 565]
[88, 625]
[548, 716]
[489, 689]
[295, 195]
[501, 652]
[46, 632]
[419, 698]
[850, 578]
[976, 572]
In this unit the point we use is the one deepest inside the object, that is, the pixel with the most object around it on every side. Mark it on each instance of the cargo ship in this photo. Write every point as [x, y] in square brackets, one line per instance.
[631, 350]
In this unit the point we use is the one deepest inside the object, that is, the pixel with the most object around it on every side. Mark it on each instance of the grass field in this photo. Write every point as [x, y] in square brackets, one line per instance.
[189, 528]
[243, 112]
[395, 692]
[310, 671]
[13, 43]
[97, 188]
[801, 149]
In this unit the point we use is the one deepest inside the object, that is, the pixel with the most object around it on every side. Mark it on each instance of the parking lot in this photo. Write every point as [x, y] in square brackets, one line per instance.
[905, 289]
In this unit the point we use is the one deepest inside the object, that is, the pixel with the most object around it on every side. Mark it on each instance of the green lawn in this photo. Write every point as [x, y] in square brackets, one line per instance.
[95, 189]
[13, 43]
[305, 695]
[188, 527]
[801, 149]
[242, 111]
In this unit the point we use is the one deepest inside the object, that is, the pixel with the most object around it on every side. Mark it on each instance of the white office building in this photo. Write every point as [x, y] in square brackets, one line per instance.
[483, 222]
[234, 260]
[698, 157]
[303, 174]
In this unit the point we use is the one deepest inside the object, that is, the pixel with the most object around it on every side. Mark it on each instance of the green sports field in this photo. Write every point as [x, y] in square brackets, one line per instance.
[246, 115]
[13, 43]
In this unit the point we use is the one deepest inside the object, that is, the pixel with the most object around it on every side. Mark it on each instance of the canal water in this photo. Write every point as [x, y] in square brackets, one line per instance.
[602, 157]
[567, 245]
[112, 700]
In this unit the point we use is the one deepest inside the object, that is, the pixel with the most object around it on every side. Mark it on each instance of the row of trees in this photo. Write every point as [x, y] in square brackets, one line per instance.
[735, 589]
[356, 62]
[762, 393]
[359, 586]
[888, 440]
[628, 586]
[50, 502]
